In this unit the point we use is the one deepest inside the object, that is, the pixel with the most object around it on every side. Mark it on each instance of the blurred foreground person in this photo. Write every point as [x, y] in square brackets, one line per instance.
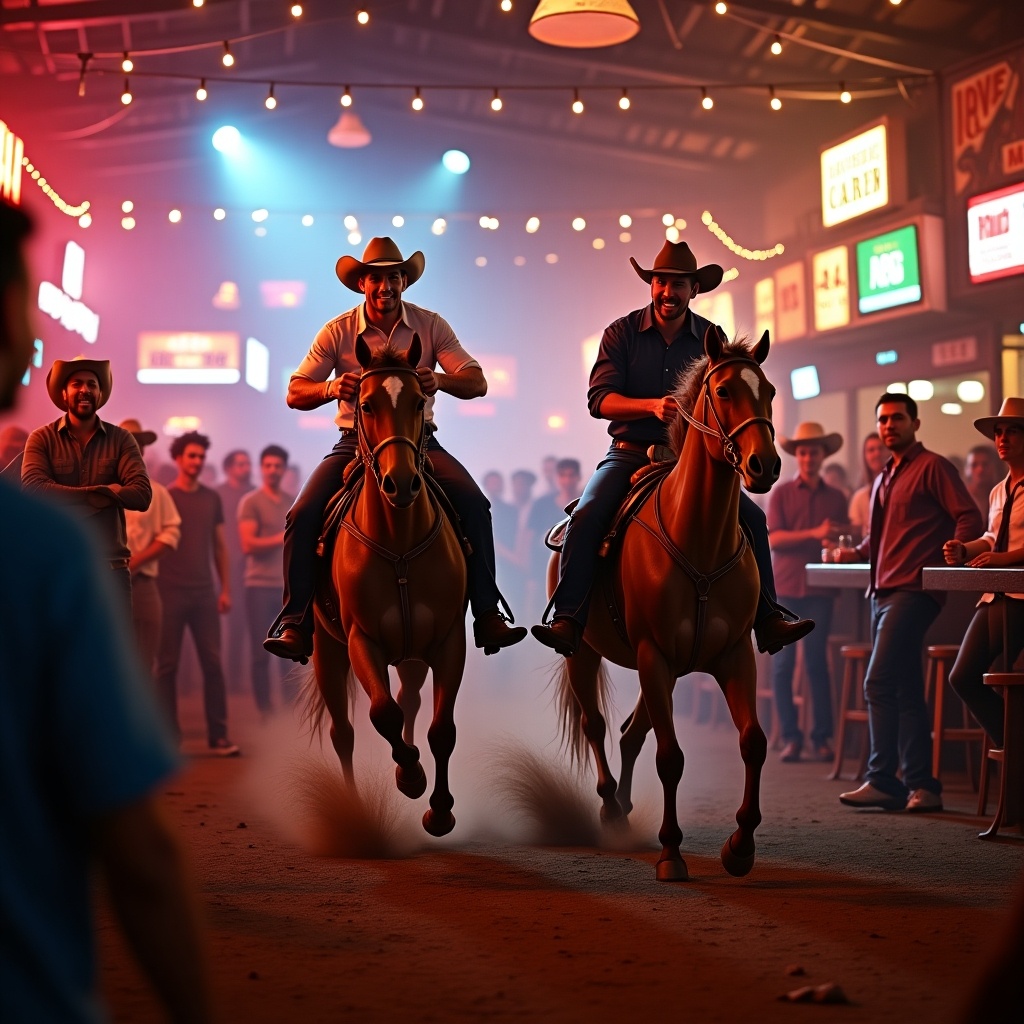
[1001, 546]
[12, 451]
[917, 502]
[93, 468]
[81, 755]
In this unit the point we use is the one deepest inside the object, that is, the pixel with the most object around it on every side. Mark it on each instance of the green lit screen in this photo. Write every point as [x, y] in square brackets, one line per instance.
[888, 271]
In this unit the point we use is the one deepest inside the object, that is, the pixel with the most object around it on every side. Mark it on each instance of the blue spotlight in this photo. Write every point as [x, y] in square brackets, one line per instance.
[227, 140]
[455, 161]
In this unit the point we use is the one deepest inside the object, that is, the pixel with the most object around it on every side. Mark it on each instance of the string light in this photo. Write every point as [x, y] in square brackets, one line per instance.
[198, 3]
[346, 97]
[578, 224]
[270, 102]
[506, 5]
[85, 220]
[776, 103]
[128, 223]
[625, 221]
[201, 92]
[363, 17]
[720, 8]
[844, 94]
[624, 103]
[127, 64]
[126, 94]
[398, 221]
[532, 225]
[174, 216]
[228, 59]
[219, 213]
[748, 254]
[776, 46]
[496, 103]
[577, 103]
[417, 100]
[127, 206]
[296, 10]
[47, 189]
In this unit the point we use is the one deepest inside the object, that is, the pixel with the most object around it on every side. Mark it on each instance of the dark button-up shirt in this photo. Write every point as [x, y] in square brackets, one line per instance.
[634, 361]
[796, 505]
[916, 506]
[96, 483]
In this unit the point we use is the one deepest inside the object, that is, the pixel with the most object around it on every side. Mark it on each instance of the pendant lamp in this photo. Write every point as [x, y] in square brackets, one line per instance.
[349, 132]
[584, 23]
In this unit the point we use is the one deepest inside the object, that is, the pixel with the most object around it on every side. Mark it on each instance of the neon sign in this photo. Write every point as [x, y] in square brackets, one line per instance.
[12, 149]
[64, 304]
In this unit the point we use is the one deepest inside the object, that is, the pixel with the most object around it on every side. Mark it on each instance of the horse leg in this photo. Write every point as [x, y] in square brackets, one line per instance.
[412, 674]
[656, 684]
[738, 675]
[584, 677]
[634, 732]
[447, 668]
[331, 664]
[385, 714]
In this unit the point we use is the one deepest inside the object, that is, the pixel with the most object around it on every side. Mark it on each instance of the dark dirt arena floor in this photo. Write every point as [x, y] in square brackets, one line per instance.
[901, 912]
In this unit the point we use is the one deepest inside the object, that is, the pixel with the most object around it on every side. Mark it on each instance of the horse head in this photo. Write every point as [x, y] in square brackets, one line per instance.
[390, 420]
[734, 409]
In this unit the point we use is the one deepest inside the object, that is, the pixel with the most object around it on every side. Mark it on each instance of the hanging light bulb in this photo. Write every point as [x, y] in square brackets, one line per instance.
[126, 94]
[705, 100]
[296, 10]
[417, 100]
[577, 103]
[506, 5]
[346, 97]
[776, 103]
[624, 101]
[127, 64]
[496, 103]
[349, 132]
[720, 8]
[201, 92]
[363, 17]
[198, 3]
[844, 94]
[270, 102]
[228, 58]
[776, 45]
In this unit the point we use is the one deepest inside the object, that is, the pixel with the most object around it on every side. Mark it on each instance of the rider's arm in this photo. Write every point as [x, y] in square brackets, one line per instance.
[613, 406]
[469, 382]
[459, 375]
[309, 386]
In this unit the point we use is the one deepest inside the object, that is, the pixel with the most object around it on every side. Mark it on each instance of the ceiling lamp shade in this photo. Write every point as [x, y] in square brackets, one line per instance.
[349, 132]
[584, 23]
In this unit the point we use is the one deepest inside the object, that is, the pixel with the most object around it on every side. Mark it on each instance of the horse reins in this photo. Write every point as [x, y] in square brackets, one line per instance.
[370, 455]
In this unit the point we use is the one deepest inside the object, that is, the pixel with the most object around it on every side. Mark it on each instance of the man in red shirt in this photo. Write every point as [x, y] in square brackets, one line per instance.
[918, 501]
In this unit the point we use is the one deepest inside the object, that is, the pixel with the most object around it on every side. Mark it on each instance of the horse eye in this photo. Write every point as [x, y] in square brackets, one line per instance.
[365, 409]
[721, 392]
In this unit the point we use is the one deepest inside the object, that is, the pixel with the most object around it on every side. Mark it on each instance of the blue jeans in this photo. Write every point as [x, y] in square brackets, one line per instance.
[901, 737]
[815, 647]
[592, 519]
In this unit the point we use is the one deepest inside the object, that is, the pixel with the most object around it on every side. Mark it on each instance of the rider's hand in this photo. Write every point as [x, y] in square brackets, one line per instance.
[666, 409]
[345, 387]
[428, 380]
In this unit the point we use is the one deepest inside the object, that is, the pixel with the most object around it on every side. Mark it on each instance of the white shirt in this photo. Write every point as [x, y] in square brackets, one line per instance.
[334, 349]
[996, 501]
[160, 521]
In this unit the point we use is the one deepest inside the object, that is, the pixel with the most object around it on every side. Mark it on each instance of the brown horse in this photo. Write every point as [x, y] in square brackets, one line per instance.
[680, 595]
[396, 591]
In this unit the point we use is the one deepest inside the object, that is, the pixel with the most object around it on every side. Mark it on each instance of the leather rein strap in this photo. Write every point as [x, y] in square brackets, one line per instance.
[371, 454]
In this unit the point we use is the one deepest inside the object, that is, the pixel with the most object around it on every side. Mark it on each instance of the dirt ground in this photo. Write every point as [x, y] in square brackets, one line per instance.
[900, 911]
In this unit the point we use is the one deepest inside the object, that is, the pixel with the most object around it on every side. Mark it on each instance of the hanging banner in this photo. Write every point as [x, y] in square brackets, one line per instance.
[790, 302]
[831, 285]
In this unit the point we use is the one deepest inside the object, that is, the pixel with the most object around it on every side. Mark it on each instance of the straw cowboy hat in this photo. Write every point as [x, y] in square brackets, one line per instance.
[1011, 411]
[62, 369]
[143, 438]
[676, 258]
[380, 253]
[811, 433]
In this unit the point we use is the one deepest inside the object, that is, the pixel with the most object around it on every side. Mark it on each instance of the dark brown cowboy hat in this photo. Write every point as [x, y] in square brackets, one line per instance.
[380, 253]
[1011, 411]
[676, 258]
[143, 438]
[62, 369]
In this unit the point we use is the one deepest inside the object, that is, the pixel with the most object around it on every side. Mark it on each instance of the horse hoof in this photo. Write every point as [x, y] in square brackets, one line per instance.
[411, 781]
[672, 871]
[438, 824]
[611, 813]
[626, 805]
[733, 862]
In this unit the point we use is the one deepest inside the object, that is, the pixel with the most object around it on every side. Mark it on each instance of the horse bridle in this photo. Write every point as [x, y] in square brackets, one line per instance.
[371, 455]
[728, 440]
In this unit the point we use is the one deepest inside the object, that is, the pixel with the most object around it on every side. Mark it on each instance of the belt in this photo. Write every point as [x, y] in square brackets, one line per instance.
[631, 446]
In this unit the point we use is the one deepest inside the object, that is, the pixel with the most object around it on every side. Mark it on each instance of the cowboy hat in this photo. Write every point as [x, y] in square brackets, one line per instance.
[143, 438]
[811, 433]
[62, 369]
[676, 258]
[1012, 411]
[380, 253]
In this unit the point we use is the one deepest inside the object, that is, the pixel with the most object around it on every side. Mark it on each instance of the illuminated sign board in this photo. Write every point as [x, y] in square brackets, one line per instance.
[790, 302]
[717, 308]
[804, 382]
[257, 364]
[995, 234]
[64, 303]
[12, 149]
[831, 284]
[282, 294]
[888, 270]
[976, 103]
[188, 358]
[764, 307]
[855, 176]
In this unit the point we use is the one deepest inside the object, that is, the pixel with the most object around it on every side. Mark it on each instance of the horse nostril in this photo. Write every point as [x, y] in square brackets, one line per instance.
[754, 465]
[777, 470]
[387, 485]
[417, 484]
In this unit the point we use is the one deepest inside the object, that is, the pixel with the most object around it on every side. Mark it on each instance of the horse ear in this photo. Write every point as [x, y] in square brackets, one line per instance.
[714, 342]
[363, 353]
[761, 352]
[415, 351]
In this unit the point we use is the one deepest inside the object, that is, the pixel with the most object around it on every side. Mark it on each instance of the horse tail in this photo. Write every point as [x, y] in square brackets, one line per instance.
[570, 713]
[312, 704]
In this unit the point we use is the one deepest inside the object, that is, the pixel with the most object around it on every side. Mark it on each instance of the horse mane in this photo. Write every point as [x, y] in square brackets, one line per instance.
[389, 356]
[687, 388]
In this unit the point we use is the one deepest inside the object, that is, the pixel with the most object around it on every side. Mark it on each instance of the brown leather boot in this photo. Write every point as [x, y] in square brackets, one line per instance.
[291, 643]
[563, 636]
[775, 631]
[491, 631]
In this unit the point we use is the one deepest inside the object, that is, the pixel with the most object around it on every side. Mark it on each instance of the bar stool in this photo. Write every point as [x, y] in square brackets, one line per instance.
[1010, 810]
[940, 660]
[851, 705]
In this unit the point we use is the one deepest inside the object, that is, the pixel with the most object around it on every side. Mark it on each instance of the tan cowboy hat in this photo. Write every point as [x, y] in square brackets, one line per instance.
[1012, 411]
[62, 369]
[142, 437]
[811, 433]
[676, 258]
[379, 253]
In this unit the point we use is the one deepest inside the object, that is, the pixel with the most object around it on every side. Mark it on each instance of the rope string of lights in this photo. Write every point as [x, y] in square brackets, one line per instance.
[748, 254]
[79, 211]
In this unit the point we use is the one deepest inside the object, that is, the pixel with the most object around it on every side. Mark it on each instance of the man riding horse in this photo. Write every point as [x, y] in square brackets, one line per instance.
[639, 360]
[382, 276]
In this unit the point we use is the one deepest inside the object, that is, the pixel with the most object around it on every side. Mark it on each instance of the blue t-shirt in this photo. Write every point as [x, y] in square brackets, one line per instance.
[79, 735]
